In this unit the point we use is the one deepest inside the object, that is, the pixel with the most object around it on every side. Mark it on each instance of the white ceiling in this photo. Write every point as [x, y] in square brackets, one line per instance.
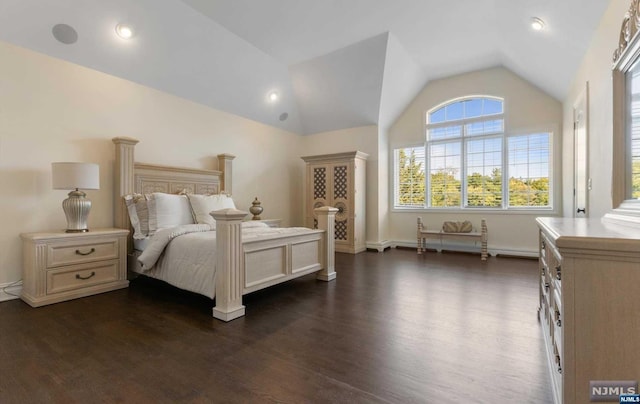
[445, 37]
[229, 54]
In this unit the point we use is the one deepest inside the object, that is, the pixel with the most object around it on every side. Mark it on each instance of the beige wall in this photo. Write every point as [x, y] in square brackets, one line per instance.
[595, 69]
[526, 109]
[51, 110]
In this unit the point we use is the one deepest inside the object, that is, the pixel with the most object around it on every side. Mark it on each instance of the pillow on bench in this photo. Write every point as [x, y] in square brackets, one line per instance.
[457, 227]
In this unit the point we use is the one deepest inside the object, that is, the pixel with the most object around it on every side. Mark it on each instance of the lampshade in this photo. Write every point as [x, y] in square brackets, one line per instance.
[75, 175]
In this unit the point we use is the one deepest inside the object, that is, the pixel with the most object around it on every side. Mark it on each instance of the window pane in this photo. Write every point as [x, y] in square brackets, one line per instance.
[444, 175]
[446, 132]
[454, 111]
[409, 177]
[484, 127]
[492, 106]
[634, 128]
[529, 170]
[436, 116]
[473, 108]
[483, 173]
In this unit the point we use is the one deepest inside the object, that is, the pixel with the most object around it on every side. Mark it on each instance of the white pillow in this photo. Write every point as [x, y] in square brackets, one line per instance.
[138, 214]
[168, 210]
[202, 205]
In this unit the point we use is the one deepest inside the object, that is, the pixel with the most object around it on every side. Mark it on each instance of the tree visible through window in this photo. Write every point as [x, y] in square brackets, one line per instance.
[472, 163]
[411, 179]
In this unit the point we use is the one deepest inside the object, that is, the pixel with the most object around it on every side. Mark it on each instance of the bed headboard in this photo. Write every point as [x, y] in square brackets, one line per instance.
[132, 177]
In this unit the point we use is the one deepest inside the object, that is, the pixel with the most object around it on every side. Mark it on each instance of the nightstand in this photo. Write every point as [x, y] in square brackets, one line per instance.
[60, 266]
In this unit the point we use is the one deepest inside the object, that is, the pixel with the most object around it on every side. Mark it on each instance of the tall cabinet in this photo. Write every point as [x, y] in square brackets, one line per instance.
[589, 304]
[339, 180]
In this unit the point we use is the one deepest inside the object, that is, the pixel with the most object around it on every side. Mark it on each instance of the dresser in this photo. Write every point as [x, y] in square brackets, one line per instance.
[59, 266]
[589, 303]
[339, 180]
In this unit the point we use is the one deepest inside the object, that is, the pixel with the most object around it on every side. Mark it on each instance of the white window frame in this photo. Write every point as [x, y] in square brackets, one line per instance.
[505, 135]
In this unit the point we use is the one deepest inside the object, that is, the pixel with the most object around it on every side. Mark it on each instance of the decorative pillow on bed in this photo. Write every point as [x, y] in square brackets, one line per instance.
[138, 214]
[168, 210]
[201, 205]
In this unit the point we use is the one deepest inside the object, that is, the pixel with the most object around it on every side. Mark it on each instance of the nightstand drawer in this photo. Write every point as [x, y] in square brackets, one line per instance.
[81, 276]
[59, 254]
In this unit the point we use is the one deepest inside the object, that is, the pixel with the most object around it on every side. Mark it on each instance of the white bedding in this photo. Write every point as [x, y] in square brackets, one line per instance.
[188, 259]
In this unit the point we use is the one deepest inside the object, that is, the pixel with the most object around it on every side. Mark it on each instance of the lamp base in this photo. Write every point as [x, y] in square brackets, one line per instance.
[76, 207]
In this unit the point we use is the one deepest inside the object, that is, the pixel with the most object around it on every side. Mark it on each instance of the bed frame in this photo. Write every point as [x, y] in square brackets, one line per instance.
[241, 268]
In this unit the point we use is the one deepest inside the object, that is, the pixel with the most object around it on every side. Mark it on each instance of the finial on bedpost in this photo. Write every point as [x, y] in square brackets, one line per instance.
[123, 181]
[229, 274]
[326, 222]
[225, 164]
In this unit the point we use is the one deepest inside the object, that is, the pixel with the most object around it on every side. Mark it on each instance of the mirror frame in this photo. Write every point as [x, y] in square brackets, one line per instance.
[624, 57]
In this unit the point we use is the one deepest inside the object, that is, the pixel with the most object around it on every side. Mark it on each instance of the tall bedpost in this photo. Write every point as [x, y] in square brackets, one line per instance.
[229, 266]
[123, 179]
[326, 222]
[225, 164]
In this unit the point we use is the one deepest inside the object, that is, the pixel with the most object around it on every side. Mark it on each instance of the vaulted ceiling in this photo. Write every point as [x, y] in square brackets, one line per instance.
[334, 63]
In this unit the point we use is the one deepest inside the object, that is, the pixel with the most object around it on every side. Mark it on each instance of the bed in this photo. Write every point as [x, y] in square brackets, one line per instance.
[245, 259]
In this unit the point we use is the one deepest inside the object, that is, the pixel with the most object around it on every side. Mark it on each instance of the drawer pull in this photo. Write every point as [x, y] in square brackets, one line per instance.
[559, 272]
[546, 285]
[84, 278]
[78, 252]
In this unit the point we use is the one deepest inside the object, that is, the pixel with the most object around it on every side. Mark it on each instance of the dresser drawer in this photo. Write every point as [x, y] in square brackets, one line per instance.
[81, 276]
[77, 252]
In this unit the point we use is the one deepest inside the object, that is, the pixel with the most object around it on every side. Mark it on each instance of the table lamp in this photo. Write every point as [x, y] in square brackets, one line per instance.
[76, 176]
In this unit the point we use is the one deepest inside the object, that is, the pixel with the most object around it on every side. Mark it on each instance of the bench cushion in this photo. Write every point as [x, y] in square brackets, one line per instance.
[457, 227]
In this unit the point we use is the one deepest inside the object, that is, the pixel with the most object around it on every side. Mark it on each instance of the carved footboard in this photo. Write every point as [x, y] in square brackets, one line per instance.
[244, 268]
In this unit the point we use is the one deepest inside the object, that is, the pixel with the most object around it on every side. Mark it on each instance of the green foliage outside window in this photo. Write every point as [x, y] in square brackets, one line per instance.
[482, 190]
[635, 180]
[411, 180]
[531, 192]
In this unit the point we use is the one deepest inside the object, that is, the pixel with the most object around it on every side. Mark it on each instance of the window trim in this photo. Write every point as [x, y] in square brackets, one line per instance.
[505, 135]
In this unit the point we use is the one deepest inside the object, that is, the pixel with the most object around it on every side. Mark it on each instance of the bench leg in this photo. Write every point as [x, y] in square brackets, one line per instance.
[483, 251]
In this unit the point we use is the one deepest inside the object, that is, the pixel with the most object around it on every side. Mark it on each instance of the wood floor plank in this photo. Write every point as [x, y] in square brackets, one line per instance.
[394, 327]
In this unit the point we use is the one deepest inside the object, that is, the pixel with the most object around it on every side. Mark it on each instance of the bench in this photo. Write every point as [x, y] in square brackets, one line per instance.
[475, 236]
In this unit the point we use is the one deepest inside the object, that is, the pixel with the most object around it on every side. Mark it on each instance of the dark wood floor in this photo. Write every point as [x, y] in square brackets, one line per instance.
[393, 327]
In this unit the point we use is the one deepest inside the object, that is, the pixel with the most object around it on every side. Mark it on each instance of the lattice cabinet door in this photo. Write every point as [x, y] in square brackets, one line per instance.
[338, 180]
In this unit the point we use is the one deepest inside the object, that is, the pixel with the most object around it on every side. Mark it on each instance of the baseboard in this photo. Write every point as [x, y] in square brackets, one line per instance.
[379, 246]
[504, 252]
[516, 253]
[10, 291]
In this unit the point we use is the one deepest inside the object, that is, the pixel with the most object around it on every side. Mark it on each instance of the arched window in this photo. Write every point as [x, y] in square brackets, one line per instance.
[468, 161]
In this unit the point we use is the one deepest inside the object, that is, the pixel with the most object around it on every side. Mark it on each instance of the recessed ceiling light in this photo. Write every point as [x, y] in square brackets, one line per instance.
[537, 24]
[124, 31]
[273, 96]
